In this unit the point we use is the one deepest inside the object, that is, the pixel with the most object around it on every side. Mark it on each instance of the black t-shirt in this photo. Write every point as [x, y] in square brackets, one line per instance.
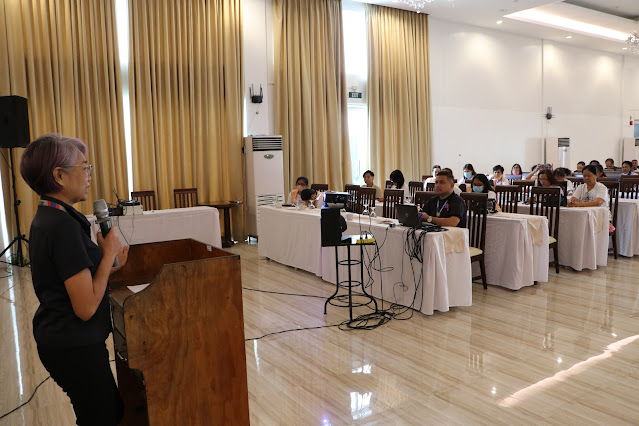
[453, 205]
[60, 246]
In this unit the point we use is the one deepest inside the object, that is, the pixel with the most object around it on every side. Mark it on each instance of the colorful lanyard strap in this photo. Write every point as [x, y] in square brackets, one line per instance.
[52, 204]
[439, 211]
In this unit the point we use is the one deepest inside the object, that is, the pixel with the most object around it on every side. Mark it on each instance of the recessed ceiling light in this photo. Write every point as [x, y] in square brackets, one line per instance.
[568, 36]
[500, 22]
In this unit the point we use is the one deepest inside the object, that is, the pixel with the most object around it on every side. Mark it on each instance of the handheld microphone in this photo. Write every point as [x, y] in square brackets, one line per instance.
[101, 212]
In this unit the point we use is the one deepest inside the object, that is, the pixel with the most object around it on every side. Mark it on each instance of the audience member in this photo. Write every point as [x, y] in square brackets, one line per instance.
[547, 180]
[560, 176]
[456, 189]
[610, 164]
[301, 184]
[580, 167]
[600, 171]
[469, 172]
[369, 182]
[312, 197]
[626, 169]
[515, 170]
[480, 184]
[634, 165]
[436, 169]
[591, 193]
[498, 176]
[397, 177]
[448, 208]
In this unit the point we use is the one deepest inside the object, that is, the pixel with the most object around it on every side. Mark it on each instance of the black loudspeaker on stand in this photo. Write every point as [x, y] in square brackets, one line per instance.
[14, 133]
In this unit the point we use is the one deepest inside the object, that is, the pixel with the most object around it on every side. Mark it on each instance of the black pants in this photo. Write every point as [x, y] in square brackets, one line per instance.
[84, 373]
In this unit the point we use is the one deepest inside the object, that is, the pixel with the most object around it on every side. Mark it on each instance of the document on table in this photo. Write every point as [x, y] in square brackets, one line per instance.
[137, 288]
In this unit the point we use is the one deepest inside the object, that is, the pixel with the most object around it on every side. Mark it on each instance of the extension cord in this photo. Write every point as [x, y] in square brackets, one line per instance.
[365, 240]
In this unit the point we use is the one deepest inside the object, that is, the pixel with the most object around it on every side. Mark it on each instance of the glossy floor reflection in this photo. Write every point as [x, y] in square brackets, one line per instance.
[562, 352]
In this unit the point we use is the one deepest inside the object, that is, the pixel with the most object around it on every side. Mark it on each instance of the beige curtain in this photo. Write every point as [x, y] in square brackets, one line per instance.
[310, 81]
[62, 56]
[398, 91]
[185, 85]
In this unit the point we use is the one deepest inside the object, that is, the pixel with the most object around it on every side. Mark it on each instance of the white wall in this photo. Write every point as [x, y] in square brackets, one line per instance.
[257, 27]
[489, 91]
[485, 97]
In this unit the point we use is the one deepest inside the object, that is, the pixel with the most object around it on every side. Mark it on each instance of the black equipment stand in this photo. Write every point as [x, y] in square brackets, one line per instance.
[19, 259]
[346, 300]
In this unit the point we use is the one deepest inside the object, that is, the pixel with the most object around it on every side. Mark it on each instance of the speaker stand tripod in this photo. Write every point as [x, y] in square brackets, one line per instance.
[19, 259]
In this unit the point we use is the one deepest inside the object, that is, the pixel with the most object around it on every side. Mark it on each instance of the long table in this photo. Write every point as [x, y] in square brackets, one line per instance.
[293, 237]
[583, 236]
[198, 223]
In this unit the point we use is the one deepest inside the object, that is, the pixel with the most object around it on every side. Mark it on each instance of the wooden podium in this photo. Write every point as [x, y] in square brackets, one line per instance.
[179, 343]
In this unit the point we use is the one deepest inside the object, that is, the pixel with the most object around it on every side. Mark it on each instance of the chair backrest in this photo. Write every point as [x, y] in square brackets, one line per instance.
[146, 198]
[430, 186]
[185, 197]
[524, 187]
[424, 177]
[629, 187]
[353, 191]
[613, 200]
[607, 179]
[564, 185]
[392, 197]
[319, 186]
[414, 186]
[545, 201]
[388, 184]
[422, 197]
[462, 187]
[476, 218]
[576, 181]
[366, 197]
[507, 197]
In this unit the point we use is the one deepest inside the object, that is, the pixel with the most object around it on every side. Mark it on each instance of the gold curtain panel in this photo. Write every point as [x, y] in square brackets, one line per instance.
[310, 104]
[398, 91]
[63, 57]
[185, 84]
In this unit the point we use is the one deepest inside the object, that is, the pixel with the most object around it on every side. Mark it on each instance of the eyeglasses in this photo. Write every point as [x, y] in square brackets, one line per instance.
[88, 168]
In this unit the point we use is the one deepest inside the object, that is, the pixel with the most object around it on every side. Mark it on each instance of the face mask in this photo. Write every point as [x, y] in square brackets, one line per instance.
[467, 175]
[478, 188]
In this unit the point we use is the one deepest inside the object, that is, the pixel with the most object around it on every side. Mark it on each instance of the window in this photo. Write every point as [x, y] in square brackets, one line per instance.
[355, 63]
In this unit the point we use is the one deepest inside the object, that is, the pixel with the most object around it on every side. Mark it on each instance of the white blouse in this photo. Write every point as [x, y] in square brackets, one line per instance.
[598, 191]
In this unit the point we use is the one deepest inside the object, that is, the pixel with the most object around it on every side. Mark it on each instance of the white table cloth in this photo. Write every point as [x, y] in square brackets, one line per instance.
[198, 223]
[293, 237]
[513, 260]
[583, 236]
[628, 227]
[441, 281]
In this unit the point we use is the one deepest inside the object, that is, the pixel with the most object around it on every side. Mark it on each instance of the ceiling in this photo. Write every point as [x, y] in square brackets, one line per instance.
[619, 15]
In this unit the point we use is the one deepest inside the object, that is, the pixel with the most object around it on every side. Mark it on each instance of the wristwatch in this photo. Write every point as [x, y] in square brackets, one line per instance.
[430, 219]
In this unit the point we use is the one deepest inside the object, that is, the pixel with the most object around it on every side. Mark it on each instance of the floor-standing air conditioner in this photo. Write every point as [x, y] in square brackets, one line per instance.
[264, 175]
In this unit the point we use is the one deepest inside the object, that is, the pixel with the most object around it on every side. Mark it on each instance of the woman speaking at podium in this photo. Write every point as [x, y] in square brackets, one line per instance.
[70, 274]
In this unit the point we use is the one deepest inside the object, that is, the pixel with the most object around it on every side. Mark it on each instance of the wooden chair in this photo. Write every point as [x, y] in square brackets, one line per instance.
[462, 187]
[392, 197]
[629, 187]
[388, 184]
[366, 197]
[545, 201]
[613, 203]
[508, 197]
[607, 179]
[424, 177]
[422, 197]
[146, 198]
[430, 186]
[524, 188]
[414, 186]
[576, 181]
[185, 197]
[353, 191]
[476, 224]
[319, 186]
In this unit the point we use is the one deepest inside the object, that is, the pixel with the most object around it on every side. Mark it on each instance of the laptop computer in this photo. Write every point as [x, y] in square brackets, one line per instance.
[407, 215]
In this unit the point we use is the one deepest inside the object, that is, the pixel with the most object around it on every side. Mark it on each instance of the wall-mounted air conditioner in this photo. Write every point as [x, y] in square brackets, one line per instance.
[264, 165]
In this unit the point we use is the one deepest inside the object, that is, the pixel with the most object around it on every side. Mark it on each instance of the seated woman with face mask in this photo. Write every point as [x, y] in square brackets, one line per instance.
[481, 185]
